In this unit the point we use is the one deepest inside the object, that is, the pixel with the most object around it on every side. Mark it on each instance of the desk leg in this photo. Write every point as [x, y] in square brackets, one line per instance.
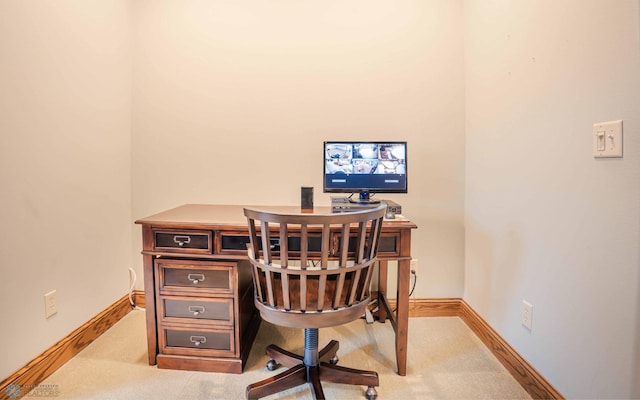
[150, 307]
[402, 314]
[382, 289]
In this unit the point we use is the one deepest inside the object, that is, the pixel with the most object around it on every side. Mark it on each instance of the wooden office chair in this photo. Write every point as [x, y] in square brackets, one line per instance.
[330, 291]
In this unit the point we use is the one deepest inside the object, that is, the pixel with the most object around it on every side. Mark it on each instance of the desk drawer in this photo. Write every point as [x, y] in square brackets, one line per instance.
[183, 241]
[217, 311]
[236, 243]
[197, 342]
[195, 277]
[387, 246]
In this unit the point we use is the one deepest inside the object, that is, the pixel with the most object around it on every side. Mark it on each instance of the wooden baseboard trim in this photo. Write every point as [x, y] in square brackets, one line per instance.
[441, 307]
[38, 369]
[446, 307]
[41, 367]
[521, 370]
[138, 298]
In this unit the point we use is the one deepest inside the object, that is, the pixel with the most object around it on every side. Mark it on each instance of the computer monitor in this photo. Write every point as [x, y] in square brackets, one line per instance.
[365, 167]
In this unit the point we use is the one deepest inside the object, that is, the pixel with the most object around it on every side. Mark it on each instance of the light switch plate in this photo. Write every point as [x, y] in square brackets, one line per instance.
[607, 139]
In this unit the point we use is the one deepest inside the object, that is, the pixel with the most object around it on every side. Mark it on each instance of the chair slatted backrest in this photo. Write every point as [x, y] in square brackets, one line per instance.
[313, 264]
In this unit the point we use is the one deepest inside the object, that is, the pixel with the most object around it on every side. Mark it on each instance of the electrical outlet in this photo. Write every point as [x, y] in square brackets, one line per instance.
[50, 304]
[527, 314]
[414, 265]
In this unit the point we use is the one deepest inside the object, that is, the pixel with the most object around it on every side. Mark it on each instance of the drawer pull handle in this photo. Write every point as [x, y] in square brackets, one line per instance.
[195, 278]
[195, 310]
[181, 240]
[198, 340]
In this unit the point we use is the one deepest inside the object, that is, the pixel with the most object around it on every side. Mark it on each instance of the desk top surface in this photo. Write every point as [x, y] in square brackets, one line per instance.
[233, 215]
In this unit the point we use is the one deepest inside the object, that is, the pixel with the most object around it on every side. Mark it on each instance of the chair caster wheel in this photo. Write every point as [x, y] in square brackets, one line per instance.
[371, 393]
[334, 360]
[272, 365]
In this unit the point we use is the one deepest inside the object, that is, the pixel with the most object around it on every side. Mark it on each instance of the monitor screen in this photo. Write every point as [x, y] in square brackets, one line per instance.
[365, 167]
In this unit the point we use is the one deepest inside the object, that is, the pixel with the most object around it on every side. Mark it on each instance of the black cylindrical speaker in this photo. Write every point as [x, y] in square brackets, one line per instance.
[306, 199]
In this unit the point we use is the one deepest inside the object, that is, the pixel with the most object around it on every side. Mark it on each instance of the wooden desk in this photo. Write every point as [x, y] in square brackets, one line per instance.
[198, 289]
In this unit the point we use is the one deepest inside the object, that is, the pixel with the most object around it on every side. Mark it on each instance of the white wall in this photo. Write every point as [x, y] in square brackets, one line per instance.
[545, 221]
[65, 103]
[232, 101]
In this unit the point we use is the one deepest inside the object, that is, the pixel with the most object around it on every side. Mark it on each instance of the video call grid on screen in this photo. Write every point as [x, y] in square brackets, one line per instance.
[354, 165]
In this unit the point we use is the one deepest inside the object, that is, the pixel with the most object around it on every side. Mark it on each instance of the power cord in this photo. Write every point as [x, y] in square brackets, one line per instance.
[133, 277]
[368, 314]
[413, 287]
[415, 280]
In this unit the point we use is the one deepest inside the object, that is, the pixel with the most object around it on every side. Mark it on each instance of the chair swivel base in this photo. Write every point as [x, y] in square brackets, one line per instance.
[299, 374]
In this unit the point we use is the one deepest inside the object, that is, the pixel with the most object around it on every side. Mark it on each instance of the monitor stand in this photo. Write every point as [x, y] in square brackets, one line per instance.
[364, 198]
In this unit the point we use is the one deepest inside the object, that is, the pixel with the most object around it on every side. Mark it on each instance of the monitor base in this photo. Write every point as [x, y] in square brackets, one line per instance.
[363, 201]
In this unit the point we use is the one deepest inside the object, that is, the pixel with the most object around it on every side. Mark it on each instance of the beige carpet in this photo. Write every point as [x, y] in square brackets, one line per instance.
[446, 361]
